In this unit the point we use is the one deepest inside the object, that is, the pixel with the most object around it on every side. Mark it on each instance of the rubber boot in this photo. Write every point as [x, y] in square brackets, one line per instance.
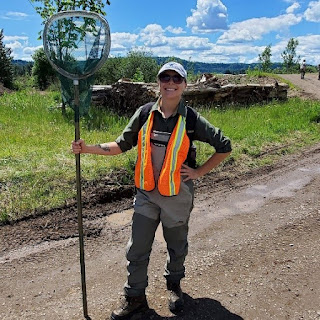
[175, 297]
[131, 306]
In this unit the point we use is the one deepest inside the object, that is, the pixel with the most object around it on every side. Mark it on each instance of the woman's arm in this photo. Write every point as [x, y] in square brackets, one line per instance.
[106, 149]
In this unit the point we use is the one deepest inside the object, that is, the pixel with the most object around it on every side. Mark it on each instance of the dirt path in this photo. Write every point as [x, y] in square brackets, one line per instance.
[309, 86]
[254, 252]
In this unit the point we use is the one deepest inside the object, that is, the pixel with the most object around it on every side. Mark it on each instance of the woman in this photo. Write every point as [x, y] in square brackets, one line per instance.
[163, 177]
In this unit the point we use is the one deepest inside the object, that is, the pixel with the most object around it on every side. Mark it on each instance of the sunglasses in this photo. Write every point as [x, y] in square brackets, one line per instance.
[165, 78]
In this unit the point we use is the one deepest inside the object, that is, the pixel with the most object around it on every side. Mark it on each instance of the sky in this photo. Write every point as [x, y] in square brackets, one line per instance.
[212, 31]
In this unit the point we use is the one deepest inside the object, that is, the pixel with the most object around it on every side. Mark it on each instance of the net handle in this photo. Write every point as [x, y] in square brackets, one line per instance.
[71, 14]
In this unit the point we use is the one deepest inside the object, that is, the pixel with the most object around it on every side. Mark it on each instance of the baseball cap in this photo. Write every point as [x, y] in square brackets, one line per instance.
[175, 66]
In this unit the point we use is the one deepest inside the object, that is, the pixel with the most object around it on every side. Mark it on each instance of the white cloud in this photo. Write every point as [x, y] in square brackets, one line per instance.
[14, 45]
[241, 53]
[313, 12]
[14, 15]
[174, 30]
[28, 52]
[254, 29]
[210, 16]
[154, 28]
[307, 48]
[153, 35]
[293, 7]
[15, 38]
[190, 43]
[121, 41]
[124, 38]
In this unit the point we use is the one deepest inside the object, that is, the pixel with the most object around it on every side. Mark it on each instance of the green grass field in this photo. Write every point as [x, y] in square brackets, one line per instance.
[37, 169]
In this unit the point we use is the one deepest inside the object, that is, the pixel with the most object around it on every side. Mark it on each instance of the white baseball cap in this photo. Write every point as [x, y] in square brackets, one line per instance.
[175, 66]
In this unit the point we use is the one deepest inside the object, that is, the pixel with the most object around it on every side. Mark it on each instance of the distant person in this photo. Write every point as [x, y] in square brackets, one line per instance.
[319, 71]
[303, 67]
[164, 175]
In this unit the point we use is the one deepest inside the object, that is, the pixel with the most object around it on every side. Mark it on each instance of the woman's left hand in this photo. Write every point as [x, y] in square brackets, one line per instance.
[188, 173]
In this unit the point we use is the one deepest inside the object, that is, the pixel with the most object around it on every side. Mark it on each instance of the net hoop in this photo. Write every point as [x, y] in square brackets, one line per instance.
[83, 14]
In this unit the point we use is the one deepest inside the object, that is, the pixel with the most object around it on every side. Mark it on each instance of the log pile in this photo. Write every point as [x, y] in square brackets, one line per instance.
[243, 94]
[124, 97]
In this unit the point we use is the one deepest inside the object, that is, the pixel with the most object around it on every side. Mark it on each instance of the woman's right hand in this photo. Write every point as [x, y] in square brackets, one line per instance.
[77, 147]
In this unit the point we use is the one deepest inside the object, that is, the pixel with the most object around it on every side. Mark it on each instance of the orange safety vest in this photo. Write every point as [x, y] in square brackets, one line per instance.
[176, 153]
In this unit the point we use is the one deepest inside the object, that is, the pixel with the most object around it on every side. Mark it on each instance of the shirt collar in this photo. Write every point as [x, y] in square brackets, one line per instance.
[180, 110]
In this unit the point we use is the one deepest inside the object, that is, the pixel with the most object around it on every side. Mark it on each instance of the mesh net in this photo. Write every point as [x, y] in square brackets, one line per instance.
[85, 93]
[76, 43]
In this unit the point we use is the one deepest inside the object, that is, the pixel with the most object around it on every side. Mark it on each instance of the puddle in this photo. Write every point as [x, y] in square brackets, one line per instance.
[120, 218]
[253, 197]
[124, 218]
[281, 187]
[284, 187]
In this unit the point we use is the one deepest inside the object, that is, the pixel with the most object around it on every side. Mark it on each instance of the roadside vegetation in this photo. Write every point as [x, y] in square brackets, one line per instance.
[37, 169]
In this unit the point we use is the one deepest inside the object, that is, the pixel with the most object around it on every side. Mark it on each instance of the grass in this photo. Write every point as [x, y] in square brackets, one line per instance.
[272, 129]
[37, 169]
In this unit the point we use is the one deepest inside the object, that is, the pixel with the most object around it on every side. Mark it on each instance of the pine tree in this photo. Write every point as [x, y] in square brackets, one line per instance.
[265, 59]
[289, 55]
[6, 68]
[42, 71]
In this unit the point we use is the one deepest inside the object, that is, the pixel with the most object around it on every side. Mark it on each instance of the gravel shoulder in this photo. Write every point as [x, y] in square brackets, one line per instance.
[308, 88]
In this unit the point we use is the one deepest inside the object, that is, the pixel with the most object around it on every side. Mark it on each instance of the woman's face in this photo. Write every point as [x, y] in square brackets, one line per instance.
[171, 90]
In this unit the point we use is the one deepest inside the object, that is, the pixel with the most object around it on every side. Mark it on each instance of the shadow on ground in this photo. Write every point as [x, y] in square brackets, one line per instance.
[197, 309]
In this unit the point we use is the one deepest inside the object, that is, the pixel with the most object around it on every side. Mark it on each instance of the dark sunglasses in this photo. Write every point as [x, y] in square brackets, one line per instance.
[165, 78]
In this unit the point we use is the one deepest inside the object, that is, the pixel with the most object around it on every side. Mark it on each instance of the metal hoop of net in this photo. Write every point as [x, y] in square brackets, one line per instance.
[76, 43]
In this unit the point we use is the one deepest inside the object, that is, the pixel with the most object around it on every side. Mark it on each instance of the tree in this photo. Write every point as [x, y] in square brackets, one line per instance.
[289, 55]
[142, 61]
[22, 68]
[138, 76]
[137, 65]
[265, 59]
[6, 68]
[42, 70]
[110, 72]
[46, 8]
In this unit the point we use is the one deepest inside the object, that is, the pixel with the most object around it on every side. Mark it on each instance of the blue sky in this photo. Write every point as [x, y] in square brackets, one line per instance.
[212, 31]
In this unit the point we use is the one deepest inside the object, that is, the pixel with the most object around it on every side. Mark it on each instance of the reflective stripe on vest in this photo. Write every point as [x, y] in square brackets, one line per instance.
[143, 177]
[176, 153]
